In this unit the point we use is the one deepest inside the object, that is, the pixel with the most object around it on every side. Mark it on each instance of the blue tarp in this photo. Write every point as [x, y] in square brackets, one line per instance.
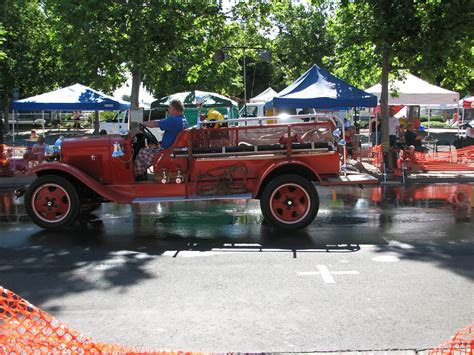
[71, 98]
[317, 88]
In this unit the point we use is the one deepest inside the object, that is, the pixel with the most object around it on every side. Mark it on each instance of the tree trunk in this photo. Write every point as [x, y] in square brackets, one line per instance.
[389, 163]
[136, 81]
[1, 129]
[4, 129]
[136, 56]
[96, 123]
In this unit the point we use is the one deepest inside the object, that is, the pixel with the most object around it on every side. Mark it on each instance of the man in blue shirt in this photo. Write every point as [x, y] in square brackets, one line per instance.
[172, 125]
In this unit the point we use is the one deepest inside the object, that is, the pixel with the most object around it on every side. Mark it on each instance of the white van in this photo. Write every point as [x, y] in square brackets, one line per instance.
[119, 122]
[253, 109]
[114, 125]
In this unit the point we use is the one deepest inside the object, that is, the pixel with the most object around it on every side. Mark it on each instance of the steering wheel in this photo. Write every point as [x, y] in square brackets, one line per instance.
[150, 137]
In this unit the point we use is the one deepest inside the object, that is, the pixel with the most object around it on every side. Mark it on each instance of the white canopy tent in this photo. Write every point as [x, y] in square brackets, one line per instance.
[264, 96]
[145, 98]
[415, 91]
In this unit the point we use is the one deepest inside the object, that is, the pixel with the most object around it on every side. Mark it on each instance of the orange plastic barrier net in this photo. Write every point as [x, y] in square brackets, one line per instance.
[461, 343]
[453, 160]
[377, 156]
[26, 329]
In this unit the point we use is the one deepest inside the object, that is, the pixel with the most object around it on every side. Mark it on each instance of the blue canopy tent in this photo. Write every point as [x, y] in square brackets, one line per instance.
[317, 88]
[71, 98]
[76, 97]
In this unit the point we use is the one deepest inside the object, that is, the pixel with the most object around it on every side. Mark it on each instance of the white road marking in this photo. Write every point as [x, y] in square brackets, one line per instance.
[326, 274]
[386, 258]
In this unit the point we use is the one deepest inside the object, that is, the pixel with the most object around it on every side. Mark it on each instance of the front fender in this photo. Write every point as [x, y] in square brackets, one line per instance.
[101, 189]
[275, 166]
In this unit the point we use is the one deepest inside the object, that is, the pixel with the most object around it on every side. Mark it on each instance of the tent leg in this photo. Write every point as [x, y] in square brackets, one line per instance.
[13, 127]
[429, 120]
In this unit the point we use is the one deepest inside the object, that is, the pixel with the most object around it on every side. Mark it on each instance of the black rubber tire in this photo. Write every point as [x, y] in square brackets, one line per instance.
[297, 209]
[48, 189]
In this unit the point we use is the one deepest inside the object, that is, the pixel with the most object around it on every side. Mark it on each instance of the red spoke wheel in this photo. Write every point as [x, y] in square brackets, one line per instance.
[52, 202]
[290, 202]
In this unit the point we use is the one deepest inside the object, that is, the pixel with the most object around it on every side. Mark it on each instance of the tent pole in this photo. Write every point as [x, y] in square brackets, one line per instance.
[462, 117]
[13, 127]
[42, 120]
[429, 120]
[245, 85]
[376, 129]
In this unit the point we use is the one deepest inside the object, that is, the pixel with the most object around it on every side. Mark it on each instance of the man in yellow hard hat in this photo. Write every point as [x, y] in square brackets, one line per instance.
[214, 115]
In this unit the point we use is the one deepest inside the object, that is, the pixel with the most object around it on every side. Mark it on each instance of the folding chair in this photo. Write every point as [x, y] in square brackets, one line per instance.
[442, 143]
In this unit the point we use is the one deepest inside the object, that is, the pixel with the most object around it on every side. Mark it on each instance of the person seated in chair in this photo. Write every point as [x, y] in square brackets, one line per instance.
[172, 126]
[414, 139]
[37, 152]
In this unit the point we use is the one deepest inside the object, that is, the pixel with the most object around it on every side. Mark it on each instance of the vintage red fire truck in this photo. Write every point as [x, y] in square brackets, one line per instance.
[279, 164]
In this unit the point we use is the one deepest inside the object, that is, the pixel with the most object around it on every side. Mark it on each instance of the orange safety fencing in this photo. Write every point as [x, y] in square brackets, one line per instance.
[453, 160]
[461, 343]
[26, 329]
[377, 156]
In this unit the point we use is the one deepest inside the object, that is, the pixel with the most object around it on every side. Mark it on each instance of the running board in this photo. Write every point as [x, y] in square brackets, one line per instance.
[350, 179]
[143, 200]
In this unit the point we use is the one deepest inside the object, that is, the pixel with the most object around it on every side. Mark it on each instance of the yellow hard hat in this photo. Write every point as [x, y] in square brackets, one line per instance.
[214, 115]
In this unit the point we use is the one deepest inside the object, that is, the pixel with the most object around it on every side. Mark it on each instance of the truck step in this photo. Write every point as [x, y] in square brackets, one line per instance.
[143, 200]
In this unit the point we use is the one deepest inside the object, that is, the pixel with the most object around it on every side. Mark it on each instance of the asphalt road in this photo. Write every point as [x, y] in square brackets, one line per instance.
[379, 269]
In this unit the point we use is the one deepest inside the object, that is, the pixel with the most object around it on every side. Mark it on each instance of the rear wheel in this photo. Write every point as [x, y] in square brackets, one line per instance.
[52, 202]
[290, 202]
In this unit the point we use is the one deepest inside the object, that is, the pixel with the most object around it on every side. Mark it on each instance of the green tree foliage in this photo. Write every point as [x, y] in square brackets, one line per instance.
[376, 37]
[443, 51]
[2, 39]
[239, 34]
[250, 29]
[102, 40]
[301, 39]
[190, 64]
[29, 64]
[430, 38]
